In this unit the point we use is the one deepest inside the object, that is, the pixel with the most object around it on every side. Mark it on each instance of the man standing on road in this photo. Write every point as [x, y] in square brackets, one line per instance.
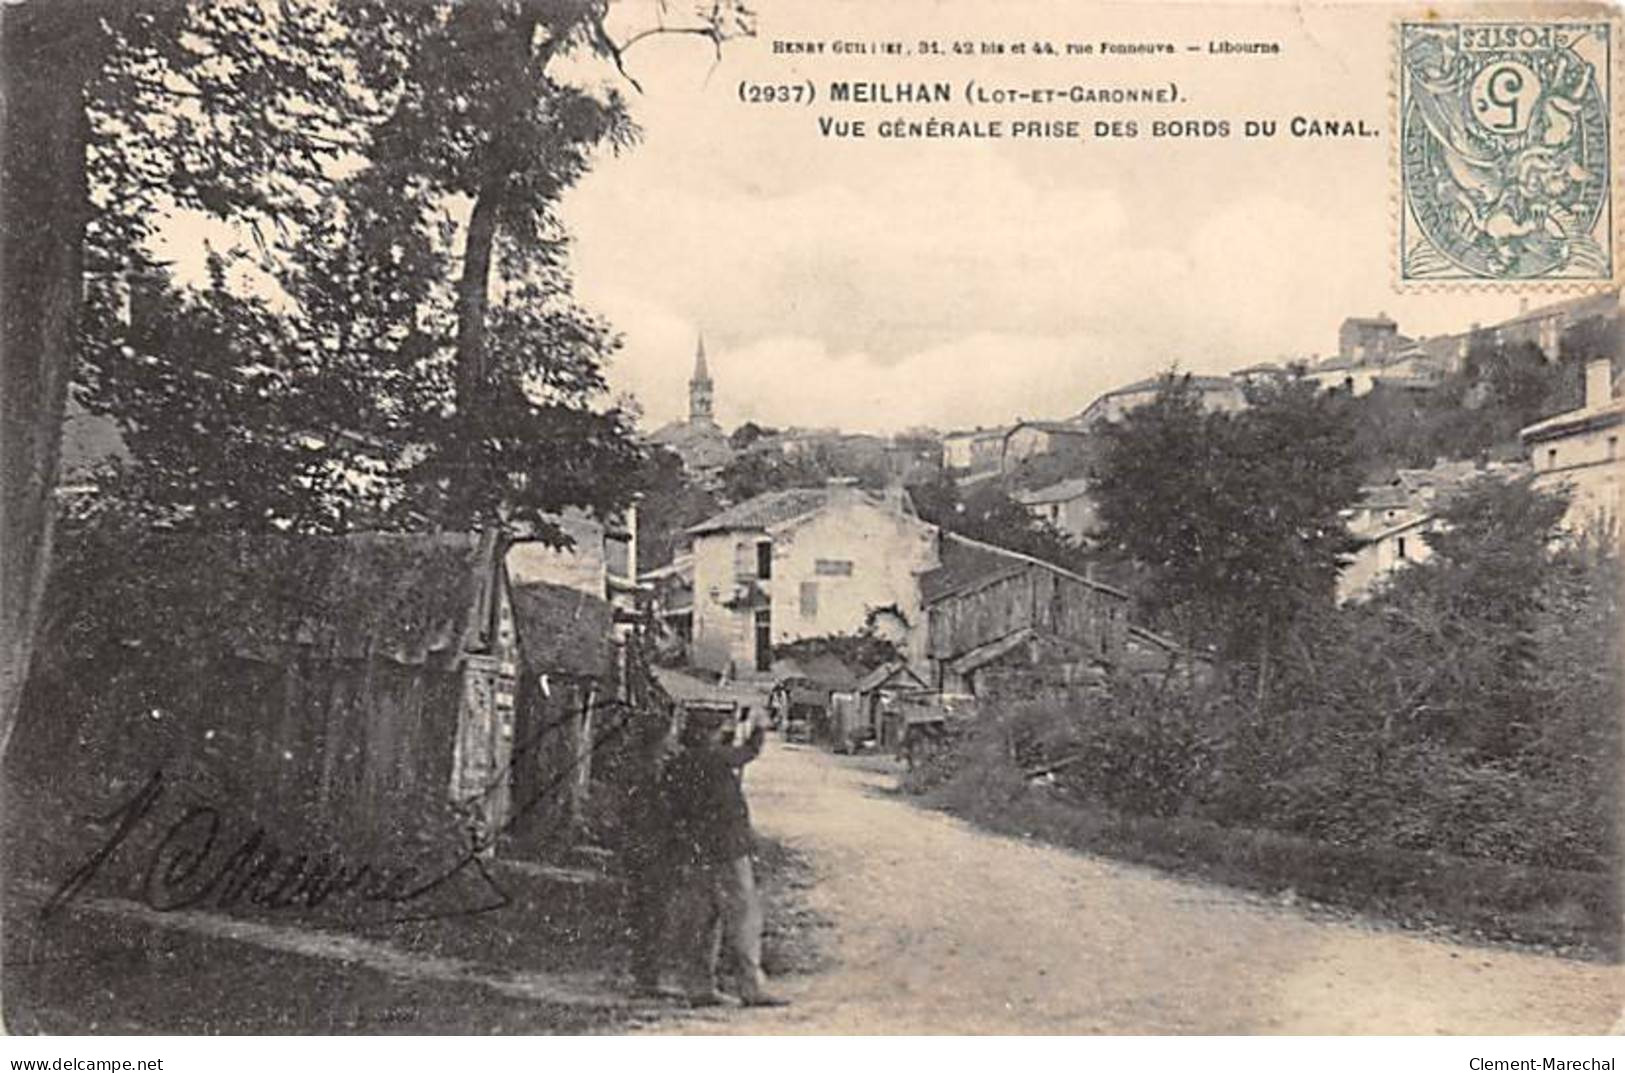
[717, 898]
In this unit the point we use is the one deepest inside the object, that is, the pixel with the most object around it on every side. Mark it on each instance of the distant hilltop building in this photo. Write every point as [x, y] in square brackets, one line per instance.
[699, 441]
[1372, 351]
[1212, 393]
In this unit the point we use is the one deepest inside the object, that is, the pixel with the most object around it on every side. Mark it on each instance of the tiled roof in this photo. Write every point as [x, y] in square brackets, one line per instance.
[1583, 306]
[1151, 383]
[767, 509]
[1062, 427]
[1609, 413]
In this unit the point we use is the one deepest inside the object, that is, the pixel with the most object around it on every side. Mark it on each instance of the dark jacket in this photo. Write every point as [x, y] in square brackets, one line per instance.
[710, 820]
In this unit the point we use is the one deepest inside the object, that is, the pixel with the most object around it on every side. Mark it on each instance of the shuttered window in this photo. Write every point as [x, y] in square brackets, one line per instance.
[809, 599]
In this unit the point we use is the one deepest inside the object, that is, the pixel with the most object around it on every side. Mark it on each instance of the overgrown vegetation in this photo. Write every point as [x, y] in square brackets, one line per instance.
[1462, 723]
[1475, 413]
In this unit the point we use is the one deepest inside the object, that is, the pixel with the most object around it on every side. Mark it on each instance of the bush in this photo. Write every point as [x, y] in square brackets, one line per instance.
[1395, 736]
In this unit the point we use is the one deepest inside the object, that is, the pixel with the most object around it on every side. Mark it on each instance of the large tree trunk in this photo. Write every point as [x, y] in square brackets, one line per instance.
[463, 494]
[474, 296]
[48, 52]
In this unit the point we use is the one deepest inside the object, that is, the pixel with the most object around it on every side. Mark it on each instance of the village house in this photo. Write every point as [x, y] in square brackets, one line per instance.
[803, 562]
[1368, 340]
[1344, 374]
[1030, 439]
[1216, 394]
[1545, 326]
[989, 610]
[1066, 505]
[1391, 521]
[977, 450]
[1579, 450]
[1263, 372]
[1429, 359]
[1383, 551]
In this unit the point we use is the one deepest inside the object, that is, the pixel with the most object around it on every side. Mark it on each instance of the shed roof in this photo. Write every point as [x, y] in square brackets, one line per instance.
[563, 630]
[890, 673]
[966, 562]
[399, 597]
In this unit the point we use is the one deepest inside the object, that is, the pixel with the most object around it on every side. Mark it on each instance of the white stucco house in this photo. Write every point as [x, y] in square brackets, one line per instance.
[1067, 505]
[1580, 450]
[1384, 550]
[803, 562]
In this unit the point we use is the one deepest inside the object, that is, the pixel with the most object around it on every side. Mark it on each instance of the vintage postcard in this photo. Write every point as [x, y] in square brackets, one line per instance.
[928, 518]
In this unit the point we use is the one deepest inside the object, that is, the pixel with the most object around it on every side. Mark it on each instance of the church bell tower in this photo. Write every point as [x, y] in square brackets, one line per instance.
[700, 390]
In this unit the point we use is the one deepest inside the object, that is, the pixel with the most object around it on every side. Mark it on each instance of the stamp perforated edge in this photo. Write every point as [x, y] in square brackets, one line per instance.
[1611, 14]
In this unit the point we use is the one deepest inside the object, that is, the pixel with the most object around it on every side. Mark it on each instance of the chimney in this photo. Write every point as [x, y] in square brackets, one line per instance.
[1599, 382]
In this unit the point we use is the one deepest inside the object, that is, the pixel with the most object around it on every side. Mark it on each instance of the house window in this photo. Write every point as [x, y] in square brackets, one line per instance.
[764, 560]
[833, 567]
[809, 599]
[1613, 448]
[1551, 458]
[764, 640]
[1401, 543]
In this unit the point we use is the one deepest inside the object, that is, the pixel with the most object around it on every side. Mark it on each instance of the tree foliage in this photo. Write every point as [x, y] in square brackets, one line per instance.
[987, 513]
[1234, 516]
[406, 352]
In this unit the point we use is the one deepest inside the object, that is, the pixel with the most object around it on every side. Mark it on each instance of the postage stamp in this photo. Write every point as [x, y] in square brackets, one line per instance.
[1505, 146]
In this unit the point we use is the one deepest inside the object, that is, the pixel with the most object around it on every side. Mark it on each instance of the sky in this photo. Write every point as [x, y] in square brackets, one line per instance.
[879, 284]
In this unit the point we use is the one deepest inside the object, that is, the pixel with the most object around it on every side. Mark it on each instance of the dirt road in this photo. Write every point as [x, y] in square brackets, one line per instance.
[942, 928]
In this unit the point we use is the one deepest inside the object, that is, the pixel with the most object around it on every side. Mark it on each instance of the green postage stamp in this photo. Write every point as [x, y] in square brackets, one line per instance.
[1505, 146]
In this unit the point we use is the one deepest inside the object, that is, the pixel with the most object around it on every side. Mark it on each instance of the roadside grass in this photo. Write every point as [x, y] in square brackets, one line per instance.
[89, 973]
[1573, 914]
[83, 971]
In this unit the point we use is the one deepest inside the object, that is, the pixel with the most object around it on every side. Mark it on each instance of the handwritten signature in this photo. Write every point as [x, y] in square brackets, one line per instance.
[194, 863]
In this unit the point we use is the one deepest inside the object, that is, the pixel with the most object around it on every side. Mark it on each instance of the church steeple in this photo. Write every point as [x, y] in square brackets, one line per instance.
[700, 390]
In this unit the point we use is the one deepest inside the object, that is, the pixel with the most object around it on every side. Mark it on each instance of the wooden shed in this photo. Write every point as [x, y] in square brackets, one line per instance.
[988, 606]
[879, 691]
[357, 688]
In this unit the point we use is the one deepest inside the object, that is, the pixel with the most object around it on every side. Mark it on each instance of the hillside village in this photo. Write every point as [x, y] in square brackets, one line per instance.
[843, 551]
[879, 588]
